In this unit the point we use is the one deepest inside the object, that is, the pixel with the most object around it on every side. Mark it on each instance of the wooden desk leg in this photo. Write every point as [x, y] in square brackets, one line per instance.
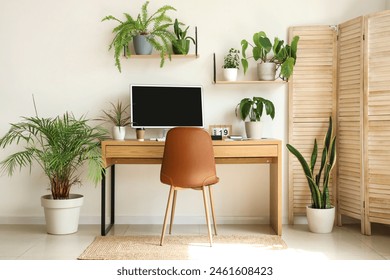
[103, 229]
[276, 195]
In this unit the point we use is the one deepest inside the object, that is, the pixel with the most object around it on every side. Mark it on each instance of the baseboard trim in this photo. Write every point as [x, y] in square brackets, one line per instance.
[142, 220]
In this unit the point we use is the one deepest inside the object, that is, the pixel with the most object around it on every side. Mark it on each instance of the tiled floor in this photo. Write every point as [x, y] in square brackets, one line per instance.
[31, 242]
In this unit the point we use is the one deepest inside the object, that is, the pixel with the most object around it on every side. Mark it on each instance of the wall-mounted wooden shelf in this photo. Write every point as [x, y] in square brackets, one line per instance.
[173, 56]
[242, 81]
[250, 82]
[195, 55]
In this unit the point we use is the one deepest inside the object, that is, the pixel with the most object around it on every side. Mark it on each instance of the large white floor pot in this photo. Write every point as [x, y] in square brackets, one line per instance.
[62, 215]
[320, 220]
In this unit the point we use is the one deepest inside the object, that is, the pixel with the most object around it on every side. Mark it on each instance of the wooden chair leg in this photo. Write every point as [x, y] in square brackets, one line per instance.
[212, 210]
[173, 211]
[206, 208]
[171, 191]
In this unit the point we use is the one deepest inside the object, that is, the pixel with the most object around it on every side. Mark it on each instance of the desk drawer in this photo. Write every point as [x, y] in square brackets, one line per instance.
[134, 151]
[247, 151]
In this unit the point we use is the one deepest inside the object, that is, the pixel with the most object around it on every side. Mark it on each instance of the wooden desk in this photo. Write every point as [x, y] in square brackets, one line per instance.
[234, 152]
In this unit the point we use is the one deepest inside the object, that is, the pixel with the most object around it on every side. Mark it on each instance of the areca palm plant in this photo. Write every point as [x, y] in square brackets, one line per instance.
[319, 183]
[60, 146]
[154, 26]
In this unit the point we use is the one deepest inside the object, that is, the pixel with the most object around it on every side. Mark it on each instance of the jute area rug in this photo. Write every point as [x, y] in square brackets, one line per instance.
[180, 247]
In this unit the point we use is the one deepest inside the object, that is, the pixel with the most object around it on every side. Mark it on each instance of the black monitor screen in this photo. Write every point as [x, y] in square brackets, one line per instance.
[162, 106]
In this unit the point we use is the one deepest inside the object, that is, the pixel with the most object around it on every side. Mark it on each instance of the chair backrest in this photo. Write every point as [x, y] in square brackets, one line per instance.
[188, 159]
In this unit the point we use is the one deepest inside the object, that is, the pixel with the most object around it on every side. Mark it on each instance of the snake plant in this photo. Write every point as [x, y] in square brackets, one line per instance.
[318, 183]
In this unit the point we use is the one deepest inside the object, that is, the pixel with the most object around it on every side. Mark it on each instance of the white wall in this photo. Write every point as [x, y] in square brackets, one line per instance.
[58, 51]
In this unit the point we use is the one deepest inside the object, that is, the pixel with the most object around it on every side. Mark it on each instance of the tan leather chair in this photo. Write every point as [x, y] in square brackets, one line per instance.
[188, 163]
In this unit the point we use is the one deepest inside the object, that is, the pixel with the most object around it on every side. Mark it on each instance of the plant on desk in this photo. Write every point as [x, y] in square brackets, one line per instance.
[253, 109]
[119, 117]
[60, 146]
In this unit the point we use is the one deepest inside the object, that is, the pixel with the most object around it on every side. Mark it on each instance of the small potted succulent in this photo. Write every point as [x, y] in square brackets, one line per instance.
[231, 64]
[181, 45]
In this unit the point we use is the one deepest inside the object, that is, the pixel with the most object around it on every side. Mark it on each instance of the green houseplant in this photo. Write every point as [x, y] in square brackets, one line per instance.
[231, 64]
[253, 109]
[232, 59]
[152, 29]
[318, 178]
[181, 45]
[278, 54]
[118, 117]
[60, 146]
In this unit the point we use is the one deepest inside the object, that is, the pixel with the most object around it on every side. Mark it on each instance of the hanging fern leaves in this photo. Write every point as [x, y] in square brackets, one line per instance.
[155, 27]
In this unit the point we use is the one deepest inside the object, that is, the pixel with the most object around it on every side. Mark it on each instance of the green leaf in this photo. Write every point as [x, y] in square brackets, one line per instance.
[244, 63]
[245, 107]
[287, 68]
[314, 156]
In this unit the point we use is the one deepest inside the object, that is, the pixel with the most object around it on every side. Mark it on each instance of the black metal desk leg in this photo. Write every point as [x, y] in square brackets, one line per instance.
[103, 228]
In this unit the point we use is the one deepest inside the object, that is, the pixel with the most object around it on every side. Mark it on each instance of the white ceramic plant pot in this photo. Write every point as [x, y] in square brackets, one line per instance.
[254, 130]
[266, 71]
[230, 74]
[118, 132]
[62, 215]
[320, 220]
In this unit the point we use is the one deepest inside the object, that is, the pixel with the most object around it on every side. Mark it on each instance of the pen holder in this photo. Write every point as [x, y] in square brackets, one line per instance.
[140, 134]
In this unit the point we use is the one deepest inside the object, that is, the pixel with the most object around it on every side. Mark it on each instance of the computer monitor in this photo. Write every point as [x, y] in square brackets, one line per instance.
[166, 106]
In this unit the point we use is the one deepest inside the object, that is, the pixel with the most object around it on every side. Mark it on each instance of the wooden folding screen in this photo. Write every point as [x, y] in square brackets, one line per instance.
[350, 179]
[312, 99]
[355, 72]
[377, 121]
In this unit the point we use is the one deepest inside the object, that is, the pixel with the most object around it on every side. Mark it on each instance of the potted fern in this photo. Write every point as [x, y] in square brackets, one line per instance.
[320, 213]
[272, 56]
[181, 45]
[119, 118]
[147, 32]
[253, 109]
[231, 64]
[60, 146]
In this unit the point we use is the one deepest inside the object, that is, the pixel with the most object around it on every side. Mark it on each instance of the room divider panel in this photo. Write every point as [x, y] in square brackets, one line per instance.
[350, 120]
[359, 95]
[312, 99]
[377, 120]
